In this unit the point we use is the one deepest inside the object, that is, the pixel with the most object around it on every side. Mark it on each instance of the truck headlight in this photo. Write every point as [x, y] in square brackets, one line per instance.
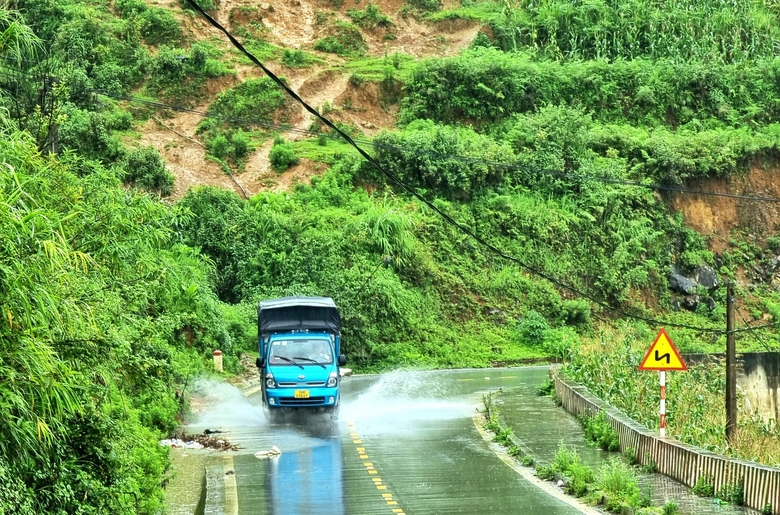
[269, 381]
[333, 380]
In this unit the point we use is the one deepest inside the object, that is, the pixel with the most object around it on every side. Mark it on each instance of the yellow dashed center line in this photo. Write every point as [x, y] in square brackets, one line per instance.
[387, 497]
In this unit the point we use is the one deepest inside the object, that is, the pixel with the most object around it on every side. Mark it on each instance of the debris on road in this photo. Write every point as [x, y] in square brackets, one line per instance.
[271, 453]
[181, 440]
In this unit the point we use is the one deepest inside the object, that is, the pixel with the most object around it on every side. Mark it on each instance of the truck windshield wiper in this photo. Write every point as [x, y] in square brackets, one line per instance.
[312, 360]
[284, 358]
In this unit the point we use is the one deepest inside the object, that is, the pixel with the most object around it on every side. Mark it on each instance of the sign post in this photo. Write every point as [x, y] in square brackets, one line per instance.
[662, 356]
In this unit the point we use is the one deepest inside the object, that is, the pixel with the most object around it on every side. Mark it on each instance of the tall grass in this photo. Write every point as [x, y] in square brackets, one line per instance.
[716, 30]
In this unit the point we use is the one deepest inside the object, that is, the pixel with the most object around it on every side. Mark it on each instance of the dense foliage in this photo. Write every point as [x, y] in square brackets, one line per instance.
[716, 30]
[484, 85]
[544, 139]
[105, 314]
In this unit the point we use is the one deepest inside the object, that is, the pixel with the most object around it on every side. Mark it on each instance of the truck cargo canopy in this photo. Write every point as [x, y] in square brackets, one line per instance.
[298, 314]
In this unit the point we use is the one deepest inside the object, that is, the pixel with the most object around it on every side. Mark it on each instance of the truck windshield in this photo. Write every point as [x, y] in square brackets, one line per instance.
[311, 351]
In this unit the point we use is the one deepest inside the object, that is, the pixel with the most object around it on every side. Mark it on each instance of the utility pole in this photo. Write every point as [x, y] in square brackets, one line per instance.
[731, 366]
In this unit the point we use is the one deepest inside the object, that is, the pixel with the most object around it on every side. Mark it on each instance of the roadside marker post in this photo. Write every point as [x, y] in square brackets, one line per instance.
[662, 356]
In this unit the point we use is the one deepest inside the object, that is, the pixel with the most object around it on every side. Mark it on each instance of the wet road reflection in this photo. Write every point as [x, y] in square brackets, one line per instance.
[404, 443]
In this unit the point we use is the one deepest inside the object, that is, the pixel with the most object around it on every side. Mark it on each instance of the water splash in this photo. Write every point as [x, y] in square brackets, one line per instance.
[400, 400]
[224, 406]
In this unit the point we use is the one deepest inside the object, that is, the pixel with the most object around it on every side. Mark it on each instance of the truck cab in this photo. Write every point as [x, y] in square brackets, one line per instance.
[299, 341]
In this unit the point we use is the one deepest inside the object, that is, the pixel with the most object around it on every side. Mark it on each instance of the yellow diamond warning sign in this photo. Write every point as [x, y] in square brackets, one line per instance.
[662, 355]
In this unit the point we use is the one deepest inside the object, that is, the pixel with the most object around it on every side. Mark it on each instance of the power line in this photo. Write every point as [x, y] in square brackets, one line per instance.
[422, 199]
[749, 328]
[455, 157]
[431, 206]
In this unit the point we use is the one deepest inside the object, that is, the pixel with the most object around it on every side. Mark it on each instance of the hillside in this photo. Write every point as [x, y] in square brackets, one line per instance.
[292, 25]
[534, 203]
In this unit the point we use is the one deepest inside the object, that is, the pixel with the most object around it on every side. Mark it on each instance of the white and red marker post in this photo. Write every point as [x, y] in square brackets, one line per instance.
[662, 356]
[662, 378]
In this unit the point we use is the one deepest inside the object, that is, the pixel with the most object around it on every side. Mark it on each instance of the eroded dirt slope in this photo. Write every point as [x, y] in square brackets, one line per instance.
[293, 24]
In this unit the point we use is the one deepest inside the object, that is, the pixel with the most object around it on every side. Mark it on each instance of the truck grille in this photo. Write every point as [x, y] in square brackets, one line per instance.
[292, 384]
[311, 401]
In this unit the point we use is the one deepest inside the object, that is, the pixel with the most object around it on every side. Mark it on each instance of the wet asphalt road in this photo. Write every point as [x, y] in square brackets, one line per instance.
[404, 443]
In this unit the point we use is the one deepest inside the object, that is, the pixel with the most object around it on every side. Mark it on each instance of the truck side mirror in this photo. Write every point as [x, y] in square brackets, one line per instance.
[342, 360]
[260, 362]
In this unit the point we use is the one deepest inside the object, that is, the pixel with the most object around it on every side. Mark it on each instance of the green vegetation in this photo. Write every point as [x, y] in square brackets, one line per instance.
[298, 58]
[615, 484]
[370, 17]
[618, 484]
[541, 139]
[704, 487]
[484, 84]
[282, 155]
[732, 492]
[179, 77]
[345, 40]
[145, 167]
[86, 398]
[156, 25]
[716, 30]
[425, 6]
[598, 431]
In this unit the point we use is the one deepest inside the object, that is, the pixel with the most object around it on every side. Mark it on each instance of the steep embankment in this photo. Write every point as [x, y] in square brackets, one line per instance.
[293, 24]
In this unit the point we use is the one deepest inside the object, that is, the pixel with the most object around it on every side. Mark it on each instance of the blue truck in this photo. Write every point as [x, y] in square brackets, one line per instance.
[300, 354]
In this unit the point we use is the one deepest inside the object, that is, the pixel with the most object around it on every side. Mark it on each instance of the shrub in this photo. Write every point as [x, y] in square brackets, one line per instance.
[254, 101]
[160, 26]
[426, 5]
[580, 478]
[218, 146]
[370, 17]
[345, 40]
[145, 168]
[619, 483]
[296, 58]
[206, 5]
[532, 328]
[503, 437]
[179, 75]
[546, 388]
[732, 492]
[282, 155]
[692, 30]
[241, 144]
[91, 133]
[545, 472]
[454, 162]
[630, 455]
[483, 85]
[704, 486]
[650, 466]
[599, 431]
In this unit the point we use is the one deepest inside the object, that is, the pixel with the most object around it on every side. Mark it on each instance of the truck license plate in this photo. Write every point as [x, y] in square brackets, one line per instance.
[301, 394]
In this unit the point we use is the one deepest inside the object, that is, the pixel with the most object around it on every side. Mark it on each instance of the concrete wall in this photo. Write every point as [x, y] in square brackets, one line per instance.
[758, 379]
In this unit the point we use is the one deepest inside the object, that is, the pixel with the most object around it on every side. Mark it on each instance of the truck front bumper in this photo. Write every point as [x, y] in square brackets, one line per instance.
[302, 397]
